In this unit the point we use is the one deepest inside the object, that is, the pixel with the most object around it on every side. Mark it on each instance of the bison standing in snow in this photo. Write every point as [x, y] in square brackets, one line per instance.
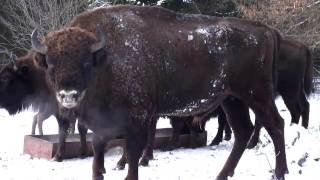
[23, 84]
[294, 83]
[120, 68]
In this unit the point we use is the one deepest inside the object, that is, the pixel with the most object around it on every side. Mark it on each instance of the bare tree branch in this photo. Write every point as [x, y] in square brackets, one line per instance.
[22, 16]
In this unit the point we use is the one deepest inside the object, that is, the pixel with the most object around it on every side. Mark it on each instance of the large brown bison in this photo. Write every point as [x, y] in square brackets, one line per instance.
[17, 93]
[22, 85]
[294, 83]
[294, 72]
[295, 79]
[121, 67]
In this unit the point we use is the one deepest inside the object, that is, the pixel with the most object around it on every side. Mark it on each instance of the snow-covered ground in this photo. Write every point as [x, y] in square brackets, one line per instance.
[181, 164]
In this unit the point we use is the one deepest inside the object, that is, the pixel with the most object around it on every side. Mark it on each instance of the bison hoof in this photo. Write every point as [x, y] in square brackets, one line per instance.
[224, 175]
[120, 167]
[215, 142]
[57, 158]
[279, 174]
[221, 178]
[144, 162]
[98, 177]
[83, 156]
[274, 177]
[102, 170]
[227, 137]
[168, 148]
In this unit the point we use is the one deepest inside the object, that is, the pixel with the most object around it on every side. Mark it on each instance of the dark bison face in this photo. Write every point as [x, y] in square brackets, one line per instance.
[15, 86]
[69, 55]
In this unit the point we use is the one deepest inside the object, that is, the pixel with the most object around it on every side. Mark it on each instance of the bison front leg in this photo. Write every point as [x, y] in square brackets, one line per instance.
[83, 140]
[135, 143]
[38, 119]
[63, 132]
[34, 124]
[98, 144]
[148, 150]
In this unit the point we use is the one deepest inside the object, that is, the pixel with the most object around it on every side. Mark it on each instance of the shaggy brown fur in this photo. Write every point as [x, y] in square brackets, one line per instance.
[160, 63]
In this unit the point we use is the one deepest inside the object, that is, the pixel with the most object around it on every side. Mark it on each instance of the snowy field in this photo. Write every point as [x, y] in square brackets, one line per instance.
[181, 164]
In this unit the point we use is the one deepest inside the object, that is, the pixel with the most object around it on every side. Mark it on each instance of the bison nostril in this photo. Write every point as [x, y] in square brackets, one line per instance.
[62, 96]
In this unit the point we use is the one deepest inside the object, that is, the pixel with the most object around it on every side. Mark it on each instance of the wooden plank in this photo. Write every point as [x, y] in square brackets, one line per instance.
[45, 146]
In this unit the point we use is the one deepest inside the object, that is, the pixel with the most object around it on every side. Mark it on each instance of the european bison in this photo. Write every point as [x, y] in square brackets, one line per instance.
[22, 85]
[294, 83]
[121, 67]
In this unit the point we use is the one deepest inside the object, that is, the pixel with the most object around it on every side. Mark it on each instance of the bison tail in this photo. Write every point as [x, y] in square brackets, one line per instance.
[308, 85]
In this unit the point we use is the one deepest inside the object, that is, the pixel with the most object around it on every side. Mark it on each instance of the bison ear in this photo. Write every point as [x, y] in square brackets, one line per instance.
[40, 61]
[99, 57]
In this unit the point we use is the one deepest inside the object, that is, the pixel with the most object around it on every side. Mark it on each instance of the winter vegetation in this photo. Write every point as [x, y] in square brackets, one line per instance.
[295, 18]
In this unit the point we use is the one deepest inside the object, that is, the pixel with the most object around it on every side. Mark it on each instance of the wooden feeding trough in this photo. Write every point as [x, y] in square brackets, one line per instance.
[45, 146]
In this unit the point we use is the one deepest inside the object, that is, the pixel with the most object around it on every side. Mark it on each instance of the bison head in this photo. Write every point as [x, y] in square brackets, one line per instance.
[16, 84]
[69, 55]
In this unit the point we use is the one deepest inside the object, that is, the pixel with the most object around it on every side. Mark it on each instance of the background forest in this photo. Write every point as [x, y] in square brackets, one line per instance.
[298, 19]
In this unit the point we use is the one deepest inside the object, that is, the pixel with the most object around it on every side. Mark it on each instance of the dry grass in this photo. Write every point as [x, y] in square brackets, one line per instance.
[298, 19]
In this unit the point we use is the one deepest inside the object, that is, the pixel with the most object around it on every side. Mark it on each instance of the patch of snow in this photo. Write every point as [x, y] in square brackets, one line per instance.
[203, 100]
[160, 2]
[253, 39]
[129, 44]
[203, 31]
[201, 163]
[190, 37]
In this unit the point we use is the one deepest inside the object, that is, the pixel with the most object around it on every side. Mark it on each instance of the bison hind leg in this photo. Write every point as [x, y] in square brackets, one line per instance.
[274, 124]
[239, 120]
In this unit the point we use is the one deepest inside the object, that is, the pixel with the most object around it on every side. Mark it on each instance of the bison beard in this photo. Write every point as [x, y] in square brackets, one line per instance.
[159, 63]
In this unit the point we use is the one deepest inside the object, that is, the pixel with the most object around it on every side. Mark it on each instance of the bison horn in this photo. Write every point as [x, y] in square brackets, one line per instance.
[36, 44]
[101, 43]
